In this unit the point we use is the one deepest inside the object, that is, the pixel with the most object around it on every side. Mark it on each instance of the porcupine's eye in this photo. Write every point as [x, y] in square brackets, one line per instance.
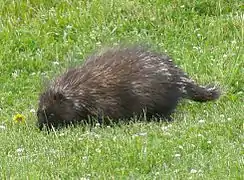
[50, 116]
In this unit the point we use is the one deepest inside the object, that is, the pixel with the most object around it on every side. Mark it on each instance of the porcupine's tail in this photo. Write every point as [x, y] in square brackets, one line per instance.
[201, 93]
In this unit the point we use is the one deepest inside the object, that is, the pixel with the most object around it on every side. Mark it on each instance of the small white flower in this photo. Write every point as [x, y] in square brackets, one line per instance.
[20, 150]
[197, 29]
[229, 119]
[224, 56]
[84, 157]
[181, 147]
[69, 27]
[156, 173]
[197, 48]
[32, 110]
[200, 135]
[84, 178]
[164, 128]
[98, 150]
[61, 134]
[182, 6]
[209, 142]
[97, 124]
[98, 43]
[193, 171]
[15, 74]
[201, 121]
[53, 151]
[97, 135]
[198, 35]
[55, 63]
[2, 127]
[177, 155]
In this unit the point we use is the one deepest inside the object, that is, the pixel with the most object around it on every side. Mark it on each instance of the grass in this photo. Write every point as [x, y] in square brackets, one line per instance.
[40, 38]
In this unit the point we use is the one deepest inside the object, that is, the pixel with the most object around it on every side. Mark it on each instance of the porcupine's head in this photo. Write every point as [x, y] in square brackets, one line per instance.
[55, 110]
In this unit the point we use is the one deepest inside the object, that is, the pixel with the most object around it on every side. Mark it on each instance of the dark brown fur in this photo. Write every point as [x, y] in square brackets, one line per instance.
[118, 84]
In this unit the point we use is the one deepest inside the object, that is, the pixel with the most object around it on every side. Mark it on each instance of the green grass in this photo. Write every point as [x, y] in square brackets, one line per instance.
[40, 38]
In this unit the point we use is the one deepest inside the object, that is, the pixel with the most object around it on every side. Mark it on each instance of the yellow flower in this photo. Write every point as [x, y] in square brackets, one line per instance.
[19, 118]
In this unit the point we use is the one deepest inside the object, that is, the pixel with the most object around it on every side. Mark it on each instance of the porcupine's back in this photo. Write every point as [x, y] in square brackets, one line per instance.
[120, 83]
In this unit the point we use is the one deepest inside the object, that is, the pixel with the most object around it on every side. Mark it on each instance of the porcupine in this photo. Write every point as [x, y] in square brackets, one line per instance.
[118, 84]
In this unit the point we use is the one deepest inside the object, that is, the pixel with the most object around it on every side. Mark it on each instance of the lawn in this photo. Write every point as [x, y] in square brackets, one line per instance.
[39, 39]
